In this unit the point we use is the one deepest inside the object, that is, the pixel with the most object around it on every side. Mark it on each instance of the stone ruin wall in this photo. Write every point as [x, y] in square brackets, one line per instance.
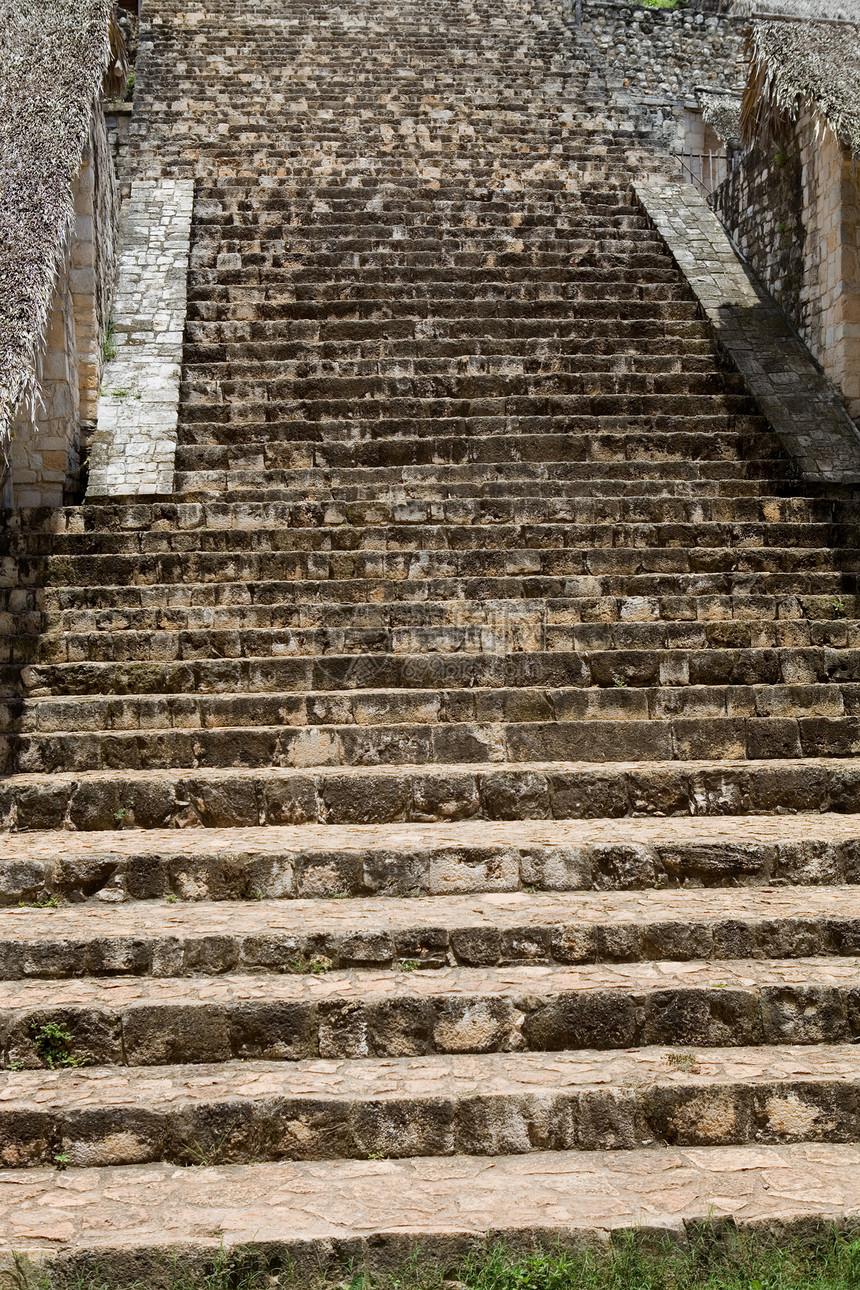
[794, 213]
[658, 57]
[50, 440]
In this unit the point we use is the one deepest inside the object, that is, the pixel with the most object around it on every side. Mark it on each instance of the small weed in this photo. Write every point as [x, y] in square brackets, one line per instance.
[109, 342]
[681, 1061]
[53, 1042]
[204, 1157]
[123, 393]
[46, 902]
[15, 1066]
[171, 898]
[781, 226]
[309, 967]
[619, 684]
[120, 814]
[409, 965]
[61, 1160]
[377, 1155]
[129, 88]
[661, 4]
[838, 609]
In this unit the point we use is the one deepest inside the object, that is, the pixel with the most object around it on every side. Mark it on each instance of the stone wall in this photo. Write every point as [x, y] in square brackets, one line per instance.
[761, 205]
[661, 56]
[50, 439]
[794, 213]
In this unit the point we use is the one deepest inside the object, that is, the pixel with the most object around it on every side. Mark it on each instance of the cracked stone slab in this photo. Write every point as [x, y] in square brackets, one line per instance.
[793, 393]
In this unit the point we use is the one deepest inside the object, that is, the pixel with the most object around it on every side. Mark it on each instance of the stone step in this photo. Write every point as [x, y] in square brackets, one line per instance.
[284, 862]
[318, 936]
[237, 350]
[115, 703]
[150, 1021]
[659, 375]
[289, 254]
[269, 258]
[489, 1105]
[234, 632]
[112, 799]
[546, 571]
[152, 521]
[420, 740]
[264, 304]
[753, 475]
[524, 678]
[404, 283]
[338, 1215]
[143, 632]
[643, 597]
[321, 435]
[428, 537]
[212, 324]
[469, 397]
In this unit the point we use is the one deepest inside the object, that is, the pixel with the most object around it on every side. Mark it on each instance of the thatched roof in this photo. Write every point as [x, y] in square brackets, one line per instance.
[802, 64]
[844, 9]
[53, 56]
[722, 110]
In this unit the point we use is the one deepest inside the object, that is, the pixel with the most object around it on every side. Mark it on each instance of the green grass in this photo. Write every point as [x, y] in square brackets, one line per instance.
[661, 4]
[830, 1264]
[718, 1259]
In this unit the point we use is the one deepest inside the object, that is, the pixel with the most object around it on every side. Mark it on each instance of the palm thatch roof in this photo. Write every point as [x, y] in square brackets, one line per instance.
[802, 64]
[847, 10]
[722, 110]
[53, 57]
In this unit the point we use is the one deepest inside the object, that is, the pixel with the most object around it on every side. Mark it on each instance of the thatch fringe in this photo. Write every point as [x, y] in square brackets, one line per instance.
[848, 10]
[52, 61]
[793, 65]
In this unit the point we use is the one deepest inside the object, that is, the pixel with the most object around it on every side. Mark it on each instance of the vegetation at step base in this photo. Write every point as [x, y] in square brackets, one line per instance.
[806, 1255]
[109, 342]
[53, 1042]
[662, 4]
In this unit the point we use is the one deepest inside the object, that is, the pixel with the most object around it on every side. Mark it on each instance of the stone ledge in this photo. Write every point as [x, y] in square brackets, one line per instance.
[796, 397]
[134, 447]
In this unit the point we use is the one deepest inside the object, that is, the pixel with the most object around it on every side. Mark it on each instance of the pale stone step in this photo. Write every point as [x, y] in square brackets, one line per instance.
[807, 727]
[491, 1105]
[384, 794]
[146, 1021]
[397, 860]
[296, 936]
[345, 1213]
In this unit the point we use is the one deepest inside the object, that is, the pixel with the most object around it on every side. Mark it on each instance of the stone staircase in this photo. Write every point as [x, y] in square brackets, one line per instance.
[439, 819]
